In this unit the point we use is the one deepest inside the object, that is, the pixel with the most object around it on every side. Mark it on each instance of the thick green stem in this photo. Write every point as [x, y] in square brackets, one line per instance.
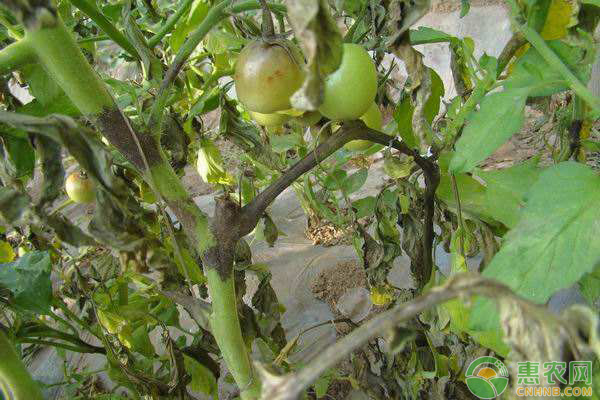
[15, 381]
[64, 62]
[107, 27]
[226, 329]
[15, 55]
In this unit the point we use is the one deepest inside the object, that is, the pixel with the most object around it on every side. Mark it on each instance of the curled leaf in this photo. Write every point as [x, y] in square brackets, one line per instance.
[210, 164]
[321, 42]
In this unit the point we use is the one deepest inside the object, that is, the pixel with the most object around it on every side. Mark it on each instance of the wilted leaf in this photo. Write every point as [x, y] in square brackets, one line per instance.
[50, 156]
[321, 43]
[13, 205]
[403, 115]
[28, 279]
[355, 181]
[270, 230]
[550, 247]
[499, 117]
[18, 158]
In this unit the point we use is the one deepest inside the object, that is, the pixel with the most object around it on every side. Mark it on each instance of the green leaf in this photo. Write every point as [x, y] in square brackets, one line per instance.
[203, 380]
[28, 279]
[506, 188]
[589, 286]
[499, 117]
[355, 181]
[592, 2]
[532, 71]
[465, 6]
[335, 179]
[41, 86]
[553, 244]
[59, 105]
[322, 384]
[196, 15]
[471, 194]
[426, 35]
[283, 143]
[219, 42]
[365, 207]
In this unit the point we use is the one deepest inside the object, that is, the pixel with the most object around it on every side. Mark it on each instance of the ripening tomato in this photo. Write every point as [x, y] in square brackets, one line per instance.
[268, 120]
[372, 118]
[80, 188]
[350, 90]
[266, 75]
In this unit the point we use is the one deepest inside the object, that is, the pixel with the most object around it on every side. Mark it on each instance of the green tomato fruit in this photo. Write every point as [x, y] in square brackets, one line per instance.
[274, 119]
[266, 75]
[80, 188]
[350, 90]
[373, 119]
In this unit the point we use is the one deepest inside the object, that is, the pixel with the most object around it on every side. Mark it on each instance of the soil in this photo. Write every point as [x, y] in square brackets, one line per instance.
[326, 234]
[332, 283]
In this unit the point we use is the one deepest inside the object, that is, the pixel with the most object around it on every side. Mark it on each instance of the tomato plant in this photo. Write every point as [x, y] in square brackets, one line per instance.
[296, 200]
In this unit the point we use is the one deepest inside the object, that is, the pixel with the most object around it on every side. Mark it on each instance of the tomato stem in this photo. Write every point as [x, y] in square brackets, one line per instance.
[225, 326]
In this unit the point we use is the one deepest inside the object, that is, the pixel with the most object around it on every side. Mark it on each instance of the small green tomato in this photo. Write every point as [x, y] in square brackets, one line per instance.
[373, 119]
[80, 188]
[350, 90]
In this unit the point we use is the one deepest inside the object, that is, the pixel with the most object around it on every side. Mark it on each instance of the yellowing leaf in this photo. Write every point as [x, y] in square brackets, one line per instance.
[7, 253]
[562, 14]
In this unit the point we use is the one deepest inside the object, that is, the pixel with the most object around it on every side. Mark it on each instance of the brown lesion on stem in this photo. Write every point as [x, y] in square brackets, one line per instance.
[225, 227]
[119, 132]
